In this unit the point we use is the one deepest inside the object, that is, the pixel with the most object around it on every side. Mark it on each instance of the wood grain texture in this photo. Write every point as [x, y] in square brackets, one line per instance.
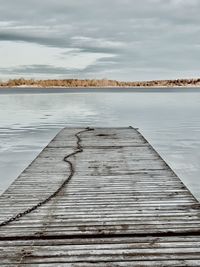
[124, 206]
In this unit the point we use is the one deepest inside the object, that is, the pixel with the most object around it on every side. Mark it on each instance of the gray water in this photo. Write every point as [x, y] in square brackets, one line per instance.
[168, 118]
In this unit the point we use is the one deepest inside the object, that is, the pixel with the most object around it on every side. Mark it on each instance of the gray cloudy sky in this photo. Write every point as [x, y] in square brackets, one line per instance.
[116, 39]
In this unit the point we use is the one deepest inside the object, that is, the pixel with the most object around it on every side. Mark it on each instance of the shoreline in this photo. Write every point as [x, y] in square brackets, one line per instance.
[99, 87]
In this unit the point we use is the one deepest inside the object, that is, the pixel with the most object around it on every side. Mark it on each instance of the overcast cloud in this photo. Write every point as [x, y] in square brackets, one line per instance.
[114, 39]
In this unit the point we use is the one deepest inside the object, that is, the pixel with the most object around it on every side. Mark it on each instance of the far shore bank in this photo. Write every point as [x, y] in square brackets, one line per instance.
[76, 83]
[100, 87]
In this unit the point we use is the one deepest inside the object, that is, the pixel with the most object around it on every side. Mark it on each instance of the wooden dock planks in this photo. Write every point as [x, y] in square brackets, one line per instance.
[123, 206]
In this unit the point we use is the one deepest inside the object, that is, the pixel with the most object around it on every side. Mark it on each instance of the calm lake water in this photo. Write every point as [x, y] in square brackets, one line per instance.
[168, 118]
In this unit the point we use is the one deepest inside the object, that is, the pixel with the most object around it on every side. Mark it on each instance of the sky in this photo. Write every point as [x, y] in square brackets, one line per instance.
[128, 40]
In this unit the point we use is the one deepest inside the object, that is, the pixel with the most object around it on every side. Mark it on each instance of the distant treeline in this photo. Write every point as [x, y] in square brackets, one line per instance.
[98, 83]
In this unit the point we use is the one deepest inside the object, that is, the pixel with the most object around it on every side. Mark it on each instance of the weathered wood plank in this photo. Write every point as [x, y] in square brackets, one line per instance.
[144, 251]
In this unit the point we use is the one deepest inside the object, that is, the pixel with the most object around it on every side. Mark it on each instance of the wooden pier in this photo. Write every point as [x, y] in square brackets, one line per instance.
[99, 197]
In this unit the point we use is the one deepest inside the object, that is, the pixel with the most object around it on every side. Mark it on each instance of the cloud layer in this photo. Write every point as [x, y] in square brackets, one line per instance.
[117, 39]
